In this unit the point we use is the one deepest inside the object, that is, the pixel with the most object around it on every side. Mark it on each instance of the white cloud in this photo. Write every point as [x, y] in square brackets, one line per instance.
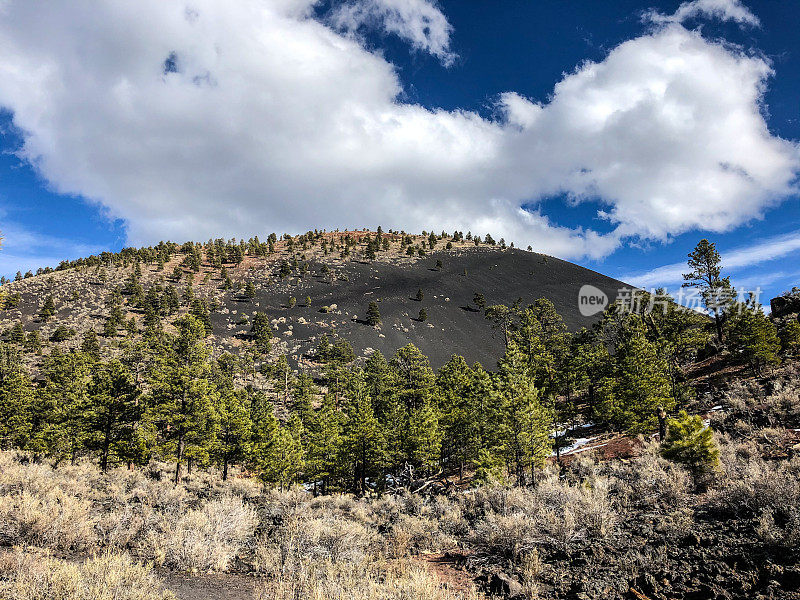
[419, 22]
[207, 119]
[763, 251]
[724, 10]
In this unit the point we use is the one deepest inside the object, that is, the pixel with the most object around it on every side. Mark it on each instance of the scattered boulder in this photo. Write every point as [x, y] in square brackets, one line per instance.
[787, 304]
[506, 586]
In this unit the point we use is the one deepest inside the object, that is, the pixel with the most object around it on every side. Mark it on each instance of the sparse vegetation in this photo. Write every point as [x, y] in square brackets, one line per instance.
[175, 443]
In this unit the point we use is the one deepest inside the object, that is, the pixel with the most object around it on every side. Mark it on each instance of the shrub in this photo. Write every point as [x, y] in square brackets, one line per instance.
[53, 519]
[204, 539]
[691, 443]
[28, 577]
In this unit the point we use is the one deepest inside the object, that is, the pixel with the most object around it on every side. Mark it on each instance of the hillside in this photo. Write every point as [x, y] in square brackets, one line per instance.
[340, 285]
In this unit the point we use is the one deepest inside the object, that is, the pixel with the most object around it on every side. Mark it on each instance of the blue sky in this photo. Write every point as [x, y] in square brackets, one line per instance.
[87, 166]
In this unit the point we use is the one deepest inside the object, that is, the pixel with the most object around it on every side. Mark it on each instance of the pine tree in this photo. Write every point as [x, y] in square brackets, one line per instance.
[705, 261]
[373, 314]
[57, 425]
[423, 315]
[420, 295]
[363, 443]
[235, 428]
[280, 459]
[424, 440]
[525, 424]
[640, 382]
[34, 342]
[460, 419]
[199, 310]
[16, 400]
[250, 290]
[261, 332]
[691, 443]
[113, 415]
[324, 435]
[183, 397]
[790, 338]
[413, 376]
[17, 334]
[90, 344]
[48, 309]
[479, 301]
[752, 336]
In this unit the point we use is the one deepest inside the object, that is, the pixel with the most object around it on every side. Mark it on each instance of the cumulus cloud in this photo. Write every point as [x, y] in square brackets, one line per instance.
[205, 119]
[419, 22]
[724, 10]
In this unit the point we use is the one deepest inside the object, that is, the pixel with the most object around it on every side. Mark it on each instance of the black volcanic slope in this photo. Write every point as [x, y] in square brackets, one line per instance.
[454, 325]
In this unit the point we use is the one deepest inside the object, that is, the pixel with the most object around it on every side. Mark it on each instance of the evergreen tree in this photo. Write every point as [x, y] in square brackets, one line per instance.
[235, 428]
[705, 261]
[525, 423]
[691, 443]
[113, 415]
[16, 400]
[420, 295]
[790, 338]
[280, 459]
[199, 310]
[752, 336]
[17, 334]
[183, 396]
[34, 342]
[324, 435]
[48, 309]
[58, 428]
[424, 439]
[373, 314]
[261, 332]
[423, 315]
[460, 414]
[413, 376]
[363, 444]
[639, 383]
[90, 344]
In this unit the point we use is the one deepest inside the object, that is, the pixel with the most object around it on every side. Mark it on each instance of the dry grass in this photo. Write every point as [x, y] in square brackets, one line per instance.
[365, 581]
[26, 576]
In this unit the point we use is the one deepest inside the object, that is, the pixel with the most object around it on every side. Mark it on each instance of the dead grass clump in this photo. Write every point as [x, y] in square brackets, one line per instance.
[650, 480]
[302, 540]
[54, 520]
[27, 577]
[413, 534]
[554, 513]
[750, 485]
[202, 539]
[371, 581]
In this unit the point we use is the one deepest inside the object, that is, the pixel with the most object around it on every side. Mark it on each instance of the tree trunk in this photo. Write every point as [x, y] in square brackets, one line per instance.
[178, 459]
[106, 446]
[662, 424]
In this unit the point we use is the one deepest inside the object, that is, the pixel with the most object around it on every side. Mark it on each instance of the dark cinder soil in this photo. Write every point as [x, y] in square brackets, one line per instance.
[210, 587]
[454, 325]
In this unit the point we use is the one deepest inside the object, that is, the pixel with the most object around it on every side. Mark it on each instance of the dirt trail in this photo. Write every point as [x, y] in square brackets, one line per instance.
[210, 587]
[447, 568]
